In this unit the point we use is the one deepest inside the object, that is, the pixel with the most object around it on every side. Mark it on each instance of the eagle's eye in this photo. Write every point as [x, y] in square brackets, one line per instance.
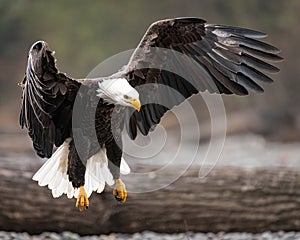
[126, 97]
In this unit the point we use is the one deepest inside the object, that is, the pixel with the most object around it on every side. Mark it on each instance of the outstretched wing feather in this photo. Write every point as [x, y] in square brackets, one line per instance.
[216, 58]
[46, 103]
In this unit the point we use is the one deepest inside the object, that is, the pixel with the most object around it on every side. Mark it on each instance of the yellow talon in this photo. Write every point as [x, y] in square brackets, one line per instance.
[82, 200]
[120, 192]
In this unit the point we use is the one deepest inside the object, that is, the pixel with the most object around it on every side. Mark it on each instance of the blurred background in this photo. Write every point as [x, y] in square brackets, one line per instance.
[83, 35]
[265, 128]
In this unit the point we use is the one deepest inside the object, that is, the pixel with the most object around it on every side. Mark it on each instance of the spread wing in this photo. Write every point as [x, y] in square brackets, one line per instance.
[47, 101]
[190, 56]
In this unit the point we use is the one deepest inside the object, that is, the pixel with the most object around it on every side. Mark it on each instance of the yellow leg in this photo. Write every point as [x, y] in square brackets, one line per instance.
[82, 200]
[120, 192]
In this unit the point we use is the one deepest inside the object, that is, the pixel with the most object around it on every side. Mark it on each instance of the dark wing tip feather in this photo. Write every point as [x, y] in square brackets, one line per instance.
[43, 98]
[235, 59]
[240, 56]
[238, 31]
[261, 54]
[258, 45]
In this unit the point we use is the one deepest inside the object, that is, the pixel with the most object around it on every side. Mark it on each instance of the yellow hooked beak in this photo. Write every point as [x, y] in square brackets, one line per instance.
[136, 104]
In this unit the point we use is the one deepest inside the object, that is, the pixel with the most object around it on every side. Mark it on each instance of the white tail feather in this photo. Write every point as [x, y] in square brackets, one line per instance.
[124, 168]
[54, 173]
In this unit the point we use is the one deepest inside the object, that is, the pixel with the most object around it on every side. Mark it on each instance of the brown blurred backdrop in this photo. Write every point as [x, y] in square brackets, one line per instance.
[85, 33]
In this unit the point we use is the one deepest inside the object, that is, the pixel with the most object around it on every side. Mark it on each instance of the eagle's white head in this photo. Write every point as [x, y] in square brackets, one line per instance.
[119, 91]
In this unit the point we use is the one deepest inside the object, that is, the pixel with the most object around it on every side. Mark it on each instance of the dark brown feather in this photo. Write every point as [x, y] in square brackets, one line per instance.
[47, 101]
[219, 59]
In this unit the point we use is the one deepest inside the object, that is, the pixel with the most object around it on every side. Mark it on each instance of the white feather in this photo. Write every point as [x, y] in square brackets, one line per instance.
[70, 191]
[54, 173]
[46, 173]
[97, 173]
[113, 91]
[124, 168]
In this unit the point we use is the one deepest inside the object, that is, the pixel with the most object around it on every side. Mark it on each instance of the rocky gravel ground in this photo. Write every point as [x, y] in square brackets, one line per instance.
[154, 236]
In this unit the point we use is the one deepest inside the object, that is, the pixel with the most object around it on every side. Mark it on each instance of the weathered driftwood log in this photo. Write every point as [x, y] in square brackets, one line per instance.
[228, 199]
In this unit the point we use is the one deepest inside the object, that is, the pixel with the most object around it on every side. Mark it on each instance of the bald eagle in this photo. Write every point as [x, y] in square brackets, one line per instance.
[232, 58]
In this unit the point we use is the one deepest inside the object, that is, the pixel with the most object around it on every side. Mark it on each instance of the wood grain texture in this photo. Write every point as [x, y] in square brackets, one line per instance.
[228, 199]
